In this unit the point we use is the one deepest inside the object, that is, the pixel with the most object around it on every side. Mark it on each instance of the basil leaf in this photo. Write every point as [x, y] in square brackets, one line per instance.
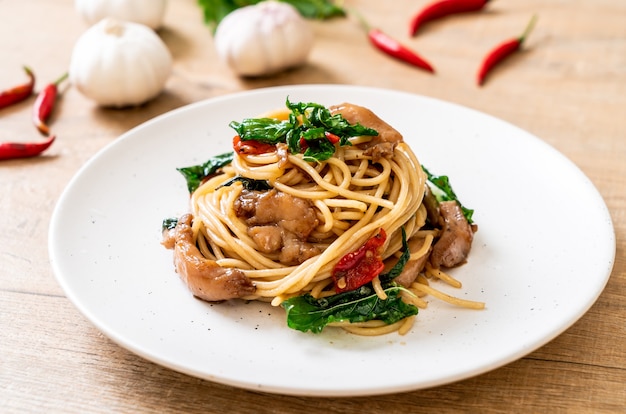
[248, 183]
[308, 122]
[442, 190]
[169, 223]
[196, 173]
[317, 115]
[319, 150]
[215, 10]
[395, 271]
[269, 130]
[313, 134]
[305, 313]
[293, 141]
[317, 9]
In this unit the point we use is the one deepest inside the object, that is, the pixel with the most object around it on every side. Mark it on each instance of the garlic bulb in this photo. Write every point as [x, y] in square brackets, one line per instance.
[119, 63]
[263, 39]
[147, 12]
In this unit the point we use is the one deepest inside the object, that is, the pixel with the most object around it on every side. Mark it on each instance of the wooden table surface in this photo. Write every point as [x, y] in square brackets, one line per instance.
[567, 87]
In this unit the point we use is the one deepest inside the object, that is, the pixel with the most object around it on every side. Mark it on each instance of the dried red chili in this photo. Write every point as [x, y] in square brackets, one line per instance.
[502, 51]
[390, 46]
[251, 147]
[13, 150]
[45, 103]
[332, 137]
[443, 8]
[20, 92]
[360, 266]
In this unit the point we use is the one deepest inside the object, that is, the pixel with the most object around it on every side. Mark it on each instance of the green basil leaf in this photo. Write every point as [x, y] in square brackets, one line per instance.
[319, 116]
[293, 140]
[442, 190]
[305, 313]
[268, 130]
[319, 150]
[215, 10]
[196, 173]
[313, 134]
[248, 183]
[317, 9]
[169, 223]
[309, 122]
[395, 271]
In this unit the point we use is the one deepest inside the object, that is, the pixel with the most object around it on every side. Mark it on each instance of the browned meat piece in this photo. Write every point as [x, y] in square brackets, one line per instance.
[413, 267]
[279, 222]
[296, 251]
[169, 238]
[269, 239]
[387, 139]
[456, 237]
[245, 205]
[294, 214]
[380, 150]
[204, 277]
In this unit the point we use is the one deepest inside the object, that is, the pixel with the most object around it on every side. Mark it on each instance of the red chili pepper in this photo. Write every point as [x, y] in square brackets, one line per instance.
[395, 49]
[502, 51]
[390, 46]
[443, 8]
[360, 266]
[13, 150]
[332, 137]
[251, 147]
[20, 92]
[303, 144]
[44, 105]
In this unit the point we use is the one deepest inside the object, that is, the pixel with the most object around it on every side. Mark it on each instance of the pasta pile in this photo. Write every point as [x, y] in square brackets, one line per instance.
[354, 195]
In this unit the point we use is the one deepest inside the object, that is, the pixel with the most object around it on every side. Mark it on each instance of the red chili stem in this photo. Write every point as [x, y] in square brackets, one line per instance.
[14, 150]
[45, 103]
[19, 92]
[502, 51]
[442, 8]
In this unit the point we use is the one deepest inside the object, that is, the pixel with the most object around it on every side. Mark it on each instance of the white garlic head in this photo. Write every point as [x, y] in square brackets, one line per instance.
[119, 64]
[263, 39]
[146, 12]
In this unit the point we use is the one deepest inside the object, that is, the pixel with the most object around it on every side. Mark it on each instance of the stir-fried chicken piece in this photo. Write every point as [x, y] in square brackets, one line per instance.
[279, 223]
[456, 237]
[413, 267]
[381, 145]
[204, 277]
[268, 238]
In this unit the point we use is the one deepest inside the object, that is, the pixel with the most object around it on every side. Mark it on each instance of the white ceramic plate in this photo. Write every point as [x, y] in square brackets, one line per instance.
[542, 255]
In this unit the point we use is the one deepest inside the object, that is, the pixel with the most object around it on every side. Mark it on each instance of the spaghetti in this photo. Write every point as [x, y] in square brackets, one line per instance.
[320, 232]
